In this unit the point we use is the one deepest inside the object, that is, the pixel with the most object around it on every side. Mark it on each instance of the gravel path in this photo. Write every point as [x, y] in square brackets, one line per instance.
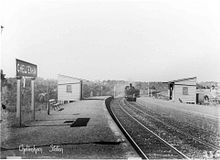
[205, 110]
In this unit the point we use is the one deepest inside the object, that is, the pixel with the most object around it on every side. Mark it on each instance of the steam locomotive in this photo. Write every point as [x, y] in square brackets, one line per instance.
[131, 93]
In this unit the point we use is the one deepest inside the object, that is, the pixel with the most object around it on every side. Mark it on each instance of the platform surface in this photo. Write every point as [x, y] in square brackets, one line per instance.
[50, 137]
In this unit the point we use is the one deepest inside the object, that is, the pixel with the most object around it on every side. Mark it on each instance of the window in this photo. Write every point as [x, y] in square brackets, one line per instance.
[69, 88]
[185, 91]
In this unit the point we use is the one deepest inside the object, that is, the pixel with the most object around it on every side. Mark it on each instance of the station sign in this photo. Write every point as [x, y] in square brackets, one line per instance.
[25, 69]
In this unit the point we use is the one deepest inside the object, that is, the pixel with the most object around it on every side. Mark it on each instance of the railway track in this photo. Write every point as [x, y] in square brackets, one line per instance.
[148, 144]
[214, 133]
[197, 140]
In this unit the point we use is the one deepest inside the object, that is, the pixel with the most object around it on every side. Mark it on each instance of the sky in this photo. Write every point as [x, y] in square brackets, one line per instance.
[134, 40]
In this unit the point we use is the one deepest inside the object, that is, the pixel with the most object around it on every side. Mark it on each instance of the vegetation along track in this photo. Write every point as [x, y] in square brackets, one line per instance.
[172, 131]
[145, 141]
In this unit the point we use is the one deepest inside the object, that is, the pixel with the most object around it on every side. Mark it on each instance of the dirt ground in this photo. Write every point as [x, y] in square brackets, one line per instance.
[206, 110]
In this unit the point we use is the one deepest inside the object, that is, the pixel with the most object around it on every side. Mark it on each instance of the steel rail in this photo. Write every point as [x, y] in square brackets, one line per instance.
[127, 135]
[165, 142]
[144, 105]
[179, 130]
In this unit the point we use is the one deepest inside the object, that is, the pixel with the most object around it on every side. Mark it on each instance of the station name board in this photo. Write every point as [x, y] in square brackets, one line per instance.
[25, 69]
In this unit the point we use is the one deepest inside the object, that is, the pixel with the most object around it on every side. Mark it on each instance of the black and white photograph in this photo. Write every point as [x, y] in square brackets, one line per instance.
[110, 79]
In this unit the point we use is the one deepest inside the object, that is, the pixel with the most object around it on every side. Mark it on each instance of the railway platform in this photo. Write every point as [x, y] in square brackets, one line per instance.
[83, 129]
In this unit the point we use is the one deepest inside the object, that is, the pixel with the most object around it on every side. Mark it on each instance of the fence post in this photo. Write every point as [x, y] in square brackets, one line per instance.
[48, 108]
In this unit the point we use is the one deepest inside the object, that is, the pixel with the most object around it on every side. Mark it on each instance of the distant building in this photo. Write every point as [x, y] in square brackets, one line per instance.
[183, 90]
[207, 96]
[202, 96]
[69, 89]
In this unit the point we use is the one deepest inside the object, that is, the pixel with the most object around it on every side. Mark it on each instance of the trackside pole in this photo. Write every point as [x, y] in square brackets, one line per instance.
[32, 99]
[18, 105]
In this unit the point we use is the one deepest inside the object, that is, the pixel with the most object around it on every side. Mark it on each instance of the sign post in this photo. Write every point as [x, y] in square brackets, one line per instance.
[25, 69]
[32, 99]
[18, 113]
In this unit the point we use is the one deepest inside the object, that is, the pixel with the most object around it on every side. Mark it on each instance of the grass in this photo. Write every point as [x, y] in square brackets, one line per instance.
[9, 114]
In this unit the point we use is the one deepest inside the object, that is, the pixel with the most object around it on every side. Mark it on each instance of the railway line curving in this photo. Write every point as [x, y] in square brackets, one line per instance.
[147, 144]
[210, 145]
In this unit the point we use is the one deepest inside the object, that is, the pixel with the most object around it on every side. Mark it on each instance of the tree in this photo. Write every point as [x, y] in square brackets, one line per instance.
[3, 79]
[153, 87]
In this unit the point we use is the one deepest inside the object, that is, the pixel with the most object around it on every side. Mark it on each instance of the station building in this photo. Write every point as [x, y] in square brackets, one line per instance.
[183, 90]
[69, 89]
